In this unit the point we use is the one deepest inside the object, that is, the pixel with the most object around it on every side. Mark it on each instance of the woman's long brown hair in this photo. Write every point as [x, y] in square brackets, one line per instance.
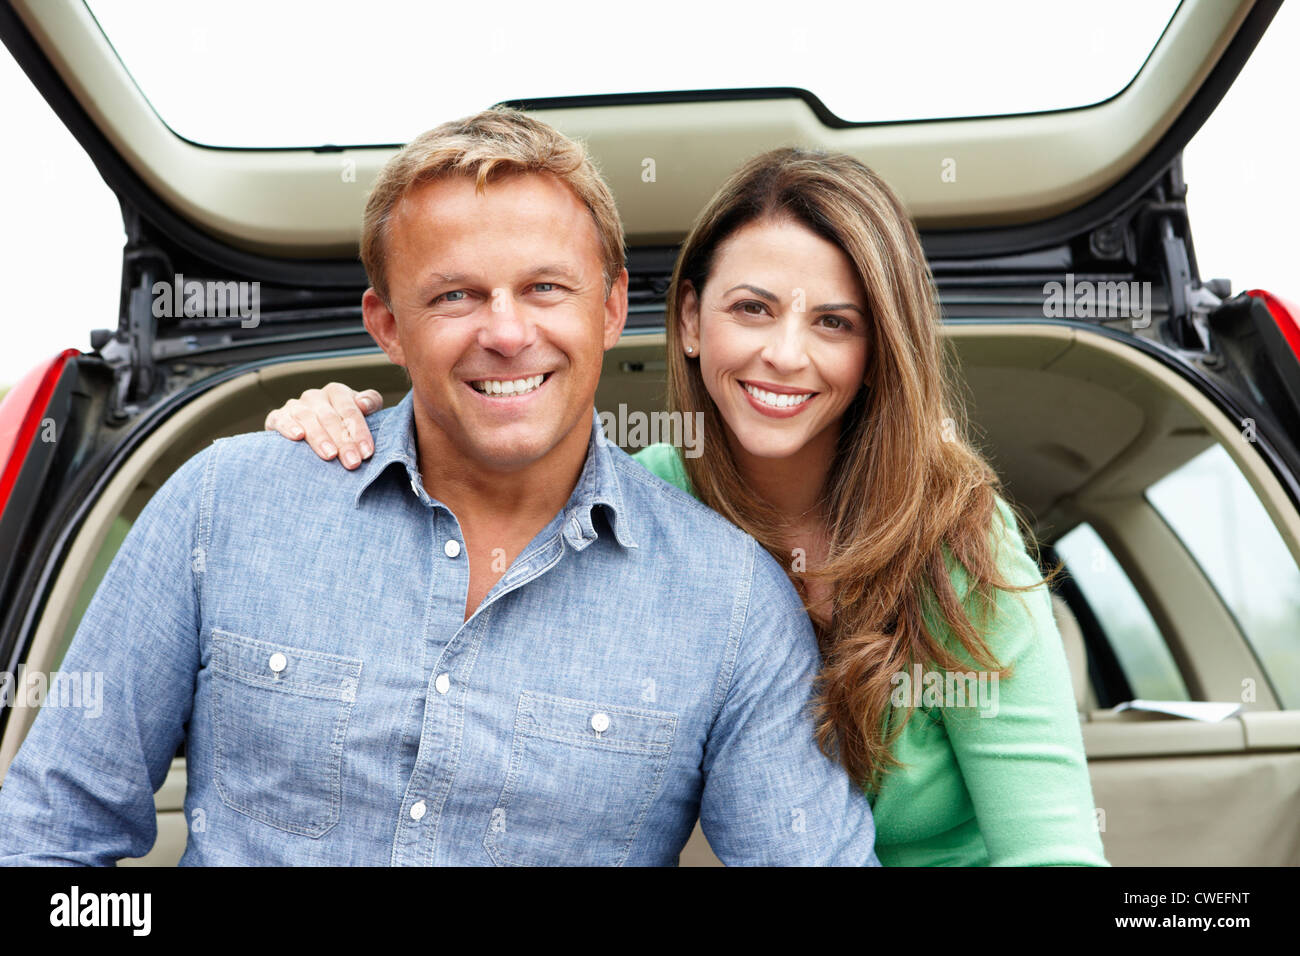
[906, 494]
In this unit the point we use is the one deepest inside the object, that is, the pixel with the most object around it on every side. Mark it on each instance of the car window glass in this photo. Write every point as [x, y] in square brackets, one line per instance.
[1126, 622]
[928, 59]
[1211, 507]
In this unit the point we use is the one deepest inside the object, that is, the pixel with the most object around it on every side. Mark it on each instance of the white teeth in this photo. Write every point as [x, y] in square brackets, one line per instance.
[517, 386]
[775, 399]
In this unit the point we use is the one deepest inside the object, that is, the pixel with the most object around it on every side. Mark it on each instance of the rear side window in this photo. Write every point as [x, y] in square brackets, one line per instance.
[1123, 616]
[1212, 508]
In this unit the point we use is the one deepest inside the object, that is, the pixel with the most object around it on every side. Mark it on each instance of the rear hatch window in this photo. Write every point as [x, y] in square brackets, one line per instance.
[230, 79]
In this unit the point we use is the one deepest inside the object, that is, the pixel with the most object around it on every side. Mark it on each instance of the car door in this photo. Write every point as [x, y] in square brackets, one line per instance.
[1191, 792]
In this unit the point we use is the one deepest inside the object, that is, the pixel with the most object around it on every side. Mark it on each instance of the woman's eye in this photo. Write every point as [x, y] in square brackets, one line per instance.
[837, 322]
[750, 307]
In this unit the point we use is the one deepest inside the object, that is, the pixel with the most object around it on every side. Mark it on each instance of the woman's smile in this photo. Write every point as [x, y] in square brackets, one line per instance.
[776, 401]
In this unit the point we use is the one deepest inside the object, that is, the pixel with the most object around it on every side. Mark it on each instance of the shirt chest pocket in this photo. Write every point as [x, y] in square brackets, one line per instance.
[580, 780]
[280, 714]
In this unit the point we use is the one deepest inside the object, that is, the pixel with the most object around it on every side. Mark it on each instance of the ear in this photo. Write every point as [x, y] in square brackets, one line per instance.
[616, 310]
[688, 316]
[382, 326]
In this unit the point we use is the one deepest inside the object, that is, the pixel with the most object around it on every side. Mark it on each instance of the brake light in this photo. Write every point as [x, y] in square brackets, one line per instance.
[1285, 314]
[21, 414]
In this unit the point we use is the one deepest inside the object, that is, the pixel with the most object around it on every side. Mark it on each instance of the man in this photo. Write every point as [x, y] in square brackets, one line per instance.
[499, 641]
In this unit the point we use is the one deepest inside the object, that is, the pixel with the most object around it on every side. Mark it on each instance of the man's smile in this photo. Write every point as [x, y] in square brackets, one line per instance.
[499, 389]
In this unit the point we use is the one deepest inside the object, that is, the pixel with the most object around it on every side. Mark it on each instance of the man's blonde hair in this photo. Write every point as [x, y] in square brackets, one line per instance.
[499, 141]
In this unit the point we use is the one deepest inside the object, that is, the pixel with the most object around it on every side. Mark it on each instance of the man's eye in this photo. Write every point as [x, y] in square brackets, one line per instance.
[448, 296]
[545, 286]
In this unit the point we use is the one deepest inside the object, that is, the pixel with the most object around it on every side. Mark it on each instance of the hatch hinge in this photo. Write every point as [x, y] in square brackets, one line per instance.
[1190, 300]
[130, 349]
[1164, 232]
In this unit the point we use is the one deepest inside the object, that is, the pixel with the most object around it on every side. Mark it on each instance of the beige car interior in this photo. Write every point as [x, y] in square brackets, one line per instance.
[1078, 426]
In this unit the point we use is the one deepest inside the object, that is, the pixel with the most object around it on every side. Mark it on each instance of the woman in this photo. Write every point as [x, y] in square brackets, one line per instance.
[803, 323]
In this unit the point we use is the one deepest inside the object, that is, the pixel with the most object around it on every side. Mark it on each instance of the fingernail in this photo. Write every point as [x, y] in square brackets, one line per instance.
[367, 449]
[328, 449]
[297, 433]
[350, 459]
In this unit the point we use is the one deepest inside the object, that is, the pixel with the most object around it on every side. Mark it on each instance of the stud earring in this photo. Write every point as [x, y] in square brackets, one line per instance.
[690, 350]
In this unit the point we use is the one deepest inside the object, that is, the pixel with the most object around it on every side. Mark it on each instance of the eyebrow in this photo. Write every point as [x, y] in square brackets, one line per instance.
[761, 293]
[828, 307]
[839, 307]
[435, 279]
[555, 270]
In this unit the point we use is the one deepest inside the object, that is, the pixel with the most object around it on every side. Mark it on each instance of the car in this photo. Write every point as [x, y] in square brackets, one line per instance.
[1146, 421]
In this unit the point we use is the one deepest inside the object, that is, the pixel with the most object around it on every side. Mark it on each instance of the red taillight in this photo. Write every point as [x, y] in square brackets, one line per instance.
[1285, 314]
[21, 413]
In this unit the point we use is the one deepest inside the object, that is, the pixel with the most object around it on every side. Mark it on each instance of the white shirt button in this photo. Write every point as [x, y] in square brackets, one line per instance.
[600, 723]
[442, 684]
[452, 548]
[417, 810]
[278, 662]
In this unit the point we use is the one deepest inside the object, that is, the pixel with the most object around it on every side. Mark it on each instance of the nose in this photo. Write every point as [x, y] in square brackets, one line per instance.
[785, 348]
[506, 330]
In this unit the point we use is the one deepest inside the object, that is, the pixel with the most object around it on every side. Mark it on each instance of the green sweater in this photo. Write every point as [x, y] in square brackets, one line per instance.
[1010, 788]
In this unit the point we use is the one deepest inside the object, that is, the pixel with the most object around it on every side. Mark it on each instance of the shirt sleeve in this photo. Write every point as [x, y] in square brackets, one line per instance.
[770, 796]
[1021, 751]
[80, 790]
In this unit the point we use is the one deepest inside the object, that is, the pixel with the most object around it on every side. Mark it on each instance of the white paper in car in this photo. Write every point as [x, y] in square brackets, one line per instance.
[1207, 710]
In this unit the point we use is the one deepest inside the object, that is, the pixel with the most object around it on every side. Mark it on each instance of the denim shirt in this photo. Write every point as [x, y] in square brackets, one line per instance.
[301, 627]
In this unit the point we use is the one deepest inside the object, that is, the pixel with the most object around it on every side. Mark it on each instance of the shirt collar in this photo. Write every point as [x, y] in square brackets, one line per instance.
[394, 443]
[598, 484]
